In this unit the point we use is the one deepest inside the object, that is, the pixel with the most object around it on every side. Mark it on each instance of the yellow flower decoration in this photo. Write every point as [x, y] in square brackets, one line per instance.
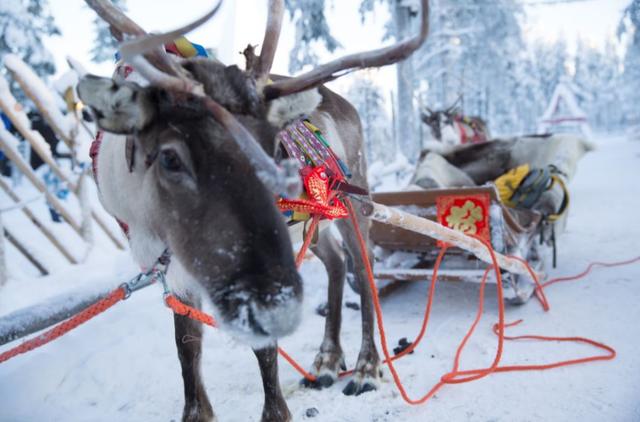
[464, 218]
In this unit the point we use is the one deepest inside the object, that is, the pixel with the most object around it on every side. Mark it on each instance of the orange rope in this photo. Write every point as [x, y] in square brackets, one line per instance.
[456, 375]
[188, 311]
[196, 314]
[307, 240]
[66, 326]
[588, 269]
[542, 298]
[185, 310]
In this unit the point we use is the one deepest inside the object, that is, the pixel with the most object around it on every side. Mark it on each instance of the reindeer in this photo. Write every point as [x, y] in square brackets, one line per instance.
[187, 163]
[451, 127]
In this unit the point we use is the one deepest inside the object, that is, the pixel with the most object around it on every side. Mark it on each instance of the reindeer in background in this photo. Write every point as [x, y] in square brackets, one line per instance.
[187, 162]
[451, 127]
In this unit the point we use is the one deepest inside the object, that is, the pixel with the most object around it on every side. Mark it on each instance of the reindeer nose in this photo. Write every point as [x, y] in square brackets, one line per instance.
[278, 320]
[261, 308]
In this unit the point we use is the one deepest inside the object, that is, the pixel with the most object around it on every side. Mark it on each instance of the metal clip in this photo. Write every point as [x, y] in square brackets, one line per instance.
[160, 276]
[142, 280]
[138, 282]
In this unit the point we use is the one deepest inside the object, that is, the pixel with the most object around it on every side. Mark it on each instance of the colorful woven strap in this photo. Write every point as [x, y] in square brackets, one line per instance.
[305, 143]
[180, 47]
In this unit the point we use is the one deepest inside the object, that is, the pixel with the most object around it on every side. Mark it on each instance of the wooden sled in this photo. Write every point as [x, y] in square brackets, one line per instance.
[402, 255]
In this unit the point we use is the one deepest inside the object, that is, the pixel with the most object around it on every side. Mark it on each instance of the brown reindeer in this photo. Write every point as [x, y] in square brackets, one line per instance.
[195, 175]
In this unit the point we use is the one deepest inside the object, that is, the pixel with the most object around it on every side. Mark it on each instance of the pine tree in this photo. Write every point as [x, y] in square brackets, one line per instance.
[597, 76]
[476, 57]
[311, 28]
[611, 95]
[630, 26]
[104, 45]
[23, 25]
[404, 23]
[368, 99]
[550, 65]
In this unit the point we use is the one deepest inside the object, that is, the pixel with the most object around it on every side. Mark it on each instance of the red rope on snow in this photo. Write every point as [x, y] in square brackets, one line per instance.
[588, 270]
[456, 376]
[64, 327]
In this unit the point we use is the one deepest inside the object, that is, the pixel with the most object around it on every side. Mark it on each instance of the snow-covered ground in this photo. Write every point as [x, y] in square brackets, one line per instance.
[122, 366]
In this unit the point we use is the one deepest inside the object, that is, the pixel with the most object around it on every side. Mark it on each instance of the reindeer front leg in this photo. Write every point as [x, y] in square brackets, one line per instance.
[330, 358]
[367, 371]
[275, 407]
[188, 333]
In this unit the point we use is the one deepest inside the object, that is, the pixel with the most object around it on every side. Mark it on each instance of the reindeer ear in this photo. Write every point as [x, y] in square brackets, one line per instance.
[120, 108]
[283, 110]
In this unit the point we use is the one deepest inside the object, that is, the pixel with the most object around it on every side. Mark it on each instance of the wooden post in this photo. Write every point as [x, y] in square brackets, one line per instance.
[41, 226]
[396, 217]
[24, 251]
[40, 95]
[85, 209]
[39, 145]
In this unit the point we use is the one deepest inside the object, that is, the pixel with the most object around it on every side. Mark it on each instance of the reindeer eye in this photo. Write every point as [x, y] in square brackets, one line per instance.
[170, 160]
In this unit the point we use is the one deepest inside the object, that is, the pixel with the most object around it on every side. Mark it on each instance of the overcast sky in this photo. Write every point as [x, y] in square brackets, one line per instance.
[591, 20]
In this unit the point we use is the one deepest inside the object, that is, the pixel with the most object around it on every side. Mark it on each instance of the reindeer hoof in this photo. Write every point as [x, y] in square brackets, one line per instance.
[199, 415]
[325, 368]
[367, 374]
[355, 388]
[321, 382]
[282, 415]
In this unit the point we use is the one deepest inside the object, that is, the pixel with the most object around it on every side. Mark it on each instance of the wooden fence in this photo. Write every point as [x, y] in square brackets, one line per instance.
[82, 225]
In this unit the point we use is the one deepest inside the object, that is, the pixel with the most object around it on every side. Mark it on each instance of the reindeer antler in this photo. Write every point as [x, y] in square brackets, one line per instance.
[271, 36]
[260, 66]
[145, 55]
[346, 64]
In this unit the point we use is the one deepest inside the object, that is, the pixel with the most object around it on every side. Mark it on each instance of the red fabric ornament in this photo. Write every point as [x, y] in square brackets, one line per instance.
[322, 200]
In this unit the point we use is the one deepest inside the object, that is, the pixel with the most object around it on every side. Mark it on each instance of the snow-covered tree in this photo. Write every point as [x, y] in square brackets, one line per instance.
[597, 76]
[551, 65]
[476, 56]
[630, 26]
[369, 100]
[104, 45]
[312, 31]
[23, 25]
[403, 24]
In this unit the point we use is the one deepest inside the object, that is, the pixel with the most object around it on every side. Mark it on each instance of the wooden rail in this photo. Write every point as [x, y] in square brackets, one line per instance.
[39, 224]
[8, 105]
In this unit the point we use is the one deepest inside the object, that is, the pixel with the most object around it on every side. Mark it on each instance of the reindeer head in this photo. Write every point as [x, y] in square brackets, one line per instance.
[439, 120]
[205, 134]
[432, 119]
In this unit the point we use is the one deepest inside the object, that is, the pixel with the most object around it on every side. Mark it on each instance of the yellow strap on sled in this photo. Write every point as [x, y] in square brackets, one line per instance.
[509, 182]
[565, 199]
